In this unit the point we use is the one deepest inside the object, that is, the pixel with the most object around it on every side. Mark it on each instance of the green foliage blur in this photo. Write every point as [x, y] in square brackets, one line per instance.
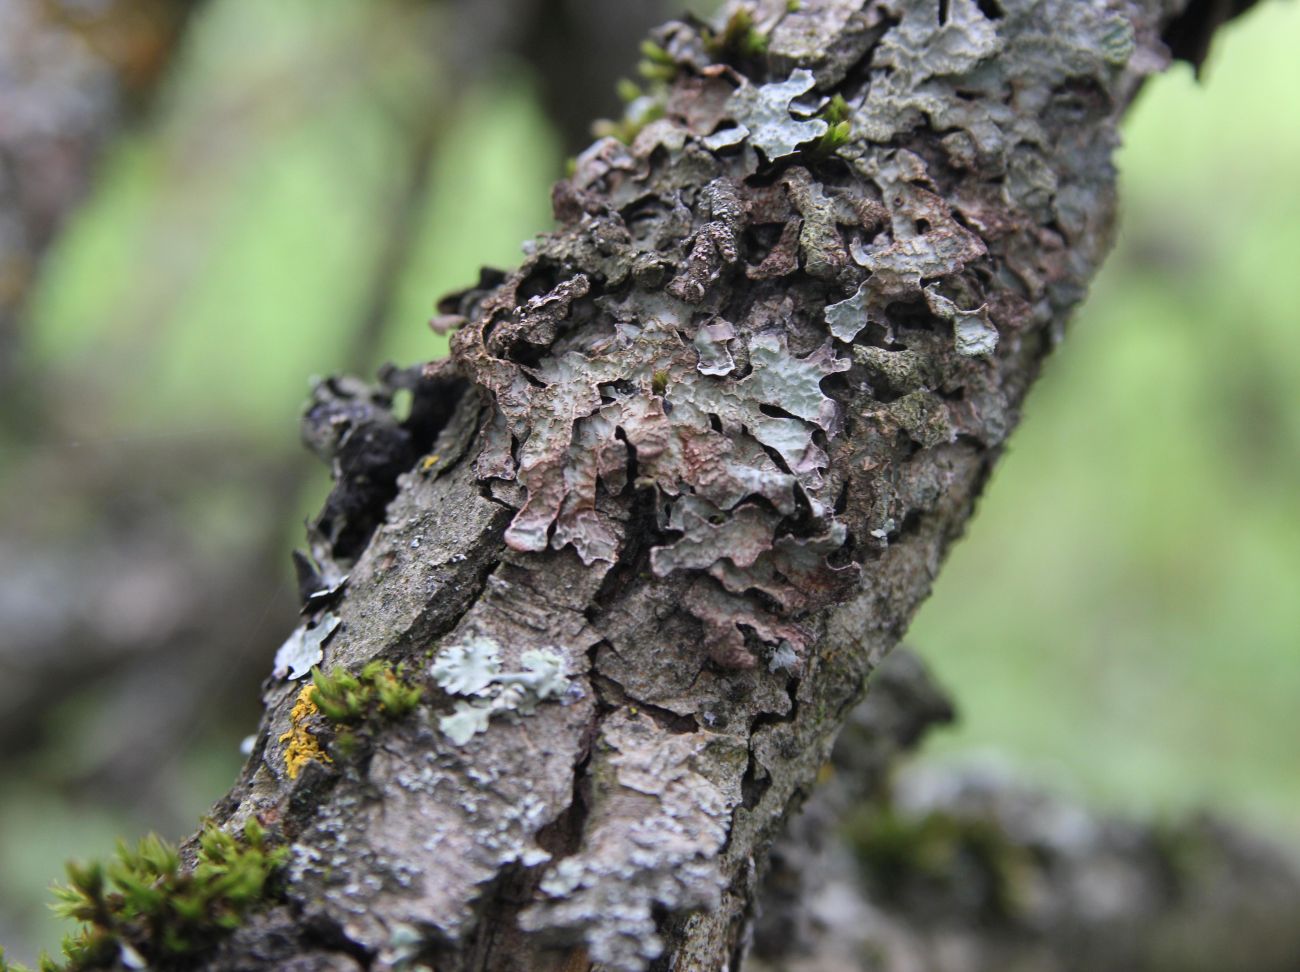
[1123, 618]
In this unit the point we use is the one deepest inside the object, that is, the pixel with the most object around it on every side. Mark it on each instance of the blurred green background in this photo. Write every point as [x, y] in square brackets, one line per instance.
[1122, 620]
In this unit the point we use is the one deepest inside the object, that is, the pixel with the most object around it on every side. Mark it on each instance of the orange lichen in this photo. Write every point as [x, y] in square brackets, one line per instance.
[303, 747]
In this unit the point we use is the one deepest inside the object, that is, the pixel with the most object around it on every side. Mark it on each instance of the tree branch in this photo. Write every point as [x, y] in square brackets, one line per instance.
[688, 474]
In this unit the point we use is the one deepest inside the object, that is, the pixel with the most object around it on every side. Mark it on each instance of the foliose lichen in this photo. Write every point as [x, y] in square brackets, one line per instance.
[779, 333]
[473, 669]
[765, 116]
[304, 648]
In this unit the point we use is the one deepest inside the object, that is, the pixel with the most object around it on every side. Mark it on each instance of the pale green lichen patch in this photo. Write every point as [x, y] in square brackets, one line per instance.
[846, 318]
[783, 659]
[1116, 40]
[708, 536]
[764, 114]
[473, 669]
[711, 343]
[467, 668]
[973, 331]
[925, 240]
[304, 649]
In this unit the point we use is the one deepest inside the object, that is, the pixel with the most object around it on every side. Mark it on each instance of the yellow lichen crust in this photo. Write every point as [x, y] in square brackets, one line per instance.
[303, 747]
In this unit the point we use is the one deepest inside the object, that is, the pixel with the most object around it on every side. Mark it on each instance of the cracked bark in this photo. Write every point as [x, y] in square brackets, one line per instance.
[181, 649]
[707, 446]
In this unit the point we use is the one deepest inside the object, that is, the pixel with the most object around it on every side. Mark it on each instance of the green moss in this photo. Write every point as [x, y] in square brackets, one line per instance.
[836, 114]
[656, 63]
[145, 905]
[739, 39]
[642, 103]
[628, 90]
[641, 107]
[382, 689]
[939, 852]
[837, 110]
[638, 115]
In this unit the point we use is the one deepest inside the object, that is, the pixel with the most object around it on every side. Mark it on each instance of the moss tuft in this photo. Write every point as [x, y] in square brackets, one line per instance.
[144, 908]
[656, 64]
[836, 114]
[637, 115]
[739, 39]
[382, 689]
[628, 90]
[348, 702]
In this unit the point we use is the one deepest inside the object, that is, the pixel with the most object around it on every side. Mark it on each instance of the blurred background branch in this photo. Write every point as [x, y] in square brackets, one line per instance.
[898, 867]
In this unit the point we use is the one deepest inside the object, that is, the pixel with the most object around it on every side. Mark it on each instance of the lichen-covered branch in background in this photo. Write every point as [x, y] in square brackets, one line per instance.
[965, 868]
[688, 473]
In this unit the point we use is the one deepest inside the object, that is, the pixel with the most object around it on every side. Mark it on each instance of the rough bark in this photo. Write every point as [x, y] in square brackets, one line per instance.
[684, 481]
[179, 651]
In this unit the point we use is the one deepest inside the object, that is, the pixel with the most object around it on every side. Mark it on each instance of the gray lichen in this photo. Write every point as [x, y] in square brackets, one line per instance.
[703, 439]
[792, 364]
[304, 649]
[973, 331]
[765, 115]
[474, 669]
[846, 318]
